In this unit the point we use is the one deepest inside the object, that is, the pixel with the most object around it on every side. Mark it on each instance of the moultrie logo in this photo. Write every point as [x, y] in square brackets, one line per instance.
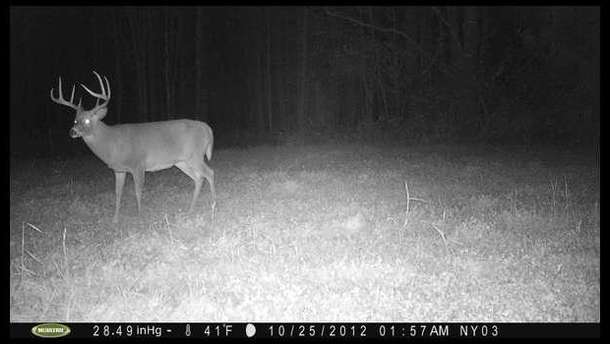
[51, 330]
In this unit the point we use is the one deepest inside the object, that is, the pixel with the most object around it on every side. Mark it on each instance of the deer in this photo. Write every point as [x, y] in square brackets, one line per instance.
[142, 147]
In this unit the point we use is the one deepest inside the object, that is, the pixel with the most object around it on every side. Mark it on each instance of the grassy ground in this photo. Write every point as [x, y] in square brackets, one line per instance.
[318, 233]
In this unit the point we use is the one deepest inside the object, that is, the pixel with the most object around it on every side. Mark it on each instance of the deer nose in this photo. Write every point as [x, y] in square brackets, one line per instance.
[73, 133]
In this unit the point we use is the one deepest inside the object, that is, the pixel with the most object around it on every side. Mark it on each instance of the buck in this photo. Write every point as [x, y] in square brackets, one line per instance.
[140, 147]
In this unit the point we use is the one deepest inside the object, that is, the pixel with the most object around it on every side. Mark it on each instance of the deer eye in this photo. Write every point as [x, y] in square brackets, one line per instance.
[87, 121]
[75, 122]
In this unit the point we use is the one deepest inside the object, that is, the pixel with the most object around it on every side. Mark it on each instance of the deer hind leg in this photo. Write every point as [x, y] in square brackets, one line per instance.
[195, 175]
[138, 183]
[119, 182]
[208, 173]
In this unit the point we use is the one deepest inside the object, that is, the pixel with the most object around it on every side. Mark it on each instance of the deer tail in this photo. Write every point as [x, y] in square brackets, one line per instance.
[208, 151]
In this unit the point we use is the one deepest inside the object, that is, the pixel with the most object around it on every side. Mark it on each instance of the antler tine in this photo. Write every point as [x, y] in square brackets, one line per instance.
[99, 78]
[72, 96]
[107, 86]
[104, 95]
[52, 88]
[96, 95]
[61, 96]
[60, 99]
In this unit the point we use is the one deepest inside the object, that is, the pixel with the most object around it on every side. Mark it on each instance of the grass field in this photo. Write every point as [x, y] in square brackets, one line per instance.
[318, 233]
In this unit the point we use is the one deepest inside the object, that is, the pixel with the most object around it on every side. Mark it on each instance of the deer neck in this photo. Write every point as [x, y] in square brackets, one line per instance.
[102, 141]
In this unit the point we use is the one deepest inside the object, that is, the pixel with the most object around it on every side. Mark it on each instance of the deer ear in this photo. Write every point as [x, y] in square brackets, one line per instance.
[101, 113]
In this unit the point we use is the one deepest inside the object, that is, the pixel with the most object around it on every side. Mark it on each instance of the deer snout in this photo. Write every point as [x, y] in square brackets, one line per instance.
[73, 133]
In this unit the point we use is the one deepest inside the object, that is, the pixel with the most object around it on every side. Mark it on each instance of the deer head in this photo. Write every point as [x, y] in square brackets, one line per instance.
[85, 121]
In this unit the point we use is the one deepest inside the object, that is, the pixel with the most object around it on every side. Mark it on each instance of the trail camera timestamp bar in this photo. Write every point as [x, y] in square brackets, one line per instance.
[304, 330]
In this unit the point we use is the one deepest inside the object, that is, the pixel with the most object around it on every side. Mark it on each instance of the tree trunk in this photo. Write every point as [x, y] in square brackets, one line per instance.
[454, 23]
[302, 82]
[168, 108]
[470, 46]
[174, 58]
[135, 22]
[259, 82]
[198, 72]
[443, 38]
[268, 76]
[117, 63]
[148, 34]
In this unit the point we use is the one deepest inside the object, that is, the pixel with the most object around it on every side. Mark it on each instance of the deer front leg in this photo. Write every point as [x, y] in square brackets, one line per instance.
[138, 181]
[120, 181]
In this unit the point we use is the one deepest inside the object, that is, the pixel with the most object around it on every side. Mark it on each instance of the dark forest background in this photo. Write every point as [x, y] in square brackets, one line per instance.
[509, 75]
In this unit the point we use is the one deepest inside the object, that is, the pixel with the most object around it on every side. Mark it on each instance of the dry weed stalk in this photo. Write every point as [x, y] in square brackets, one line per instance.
[409, 199]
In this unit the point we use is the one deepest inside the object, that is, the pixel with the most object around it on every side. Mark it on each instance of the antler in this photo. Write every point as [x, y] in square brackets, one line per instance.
[103, 96]
[62, 101]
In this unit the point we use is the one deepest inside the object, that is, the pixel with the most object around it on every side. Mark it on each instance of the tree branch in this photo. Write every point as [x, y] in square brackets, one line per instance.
[451, 30]
[378, 28]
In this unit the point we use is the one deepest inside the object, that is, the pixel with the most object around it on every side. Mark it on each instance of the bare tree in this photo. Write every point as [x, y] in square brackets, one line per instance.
[302, 76]
[269, 76]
